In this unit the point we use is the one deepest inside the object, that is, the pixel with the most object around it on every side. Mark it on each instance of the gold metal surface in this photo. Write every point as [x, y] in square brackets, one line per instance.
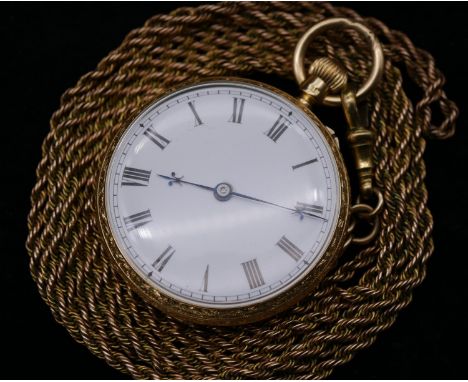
[361, 141]
[224, 316]
[335, 23]
[331, 72]
[313, 91]
[370, 214]
[325, 76]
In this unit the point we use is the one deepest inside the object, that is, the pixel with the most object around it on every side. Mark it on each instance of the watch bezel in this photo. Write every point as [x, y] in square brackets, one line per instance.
[226, 316]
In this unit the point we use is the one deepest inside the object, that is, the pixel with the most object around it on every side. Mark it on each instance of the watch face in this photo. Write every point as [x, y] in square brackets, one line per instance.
[223, 194]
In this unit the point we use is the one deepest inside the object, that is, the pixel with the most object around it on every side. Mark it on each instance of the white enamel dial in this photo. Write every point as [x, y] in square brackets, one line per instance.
[222, 194]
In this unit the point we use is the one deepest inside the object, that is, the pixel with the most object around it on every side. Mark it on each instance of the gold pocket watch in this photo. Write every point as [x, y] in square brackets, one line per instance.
[226, 201]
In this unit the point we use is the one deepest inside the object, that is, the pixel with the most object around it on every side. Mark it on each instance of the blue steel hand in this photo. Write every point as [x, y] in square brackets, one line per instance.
[174, 179]
[295, 210]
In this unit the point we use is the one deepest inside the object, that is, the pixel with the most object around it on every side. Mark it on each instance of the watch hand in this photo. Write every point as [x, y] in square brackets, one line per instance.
[295, 210]
[174, 179]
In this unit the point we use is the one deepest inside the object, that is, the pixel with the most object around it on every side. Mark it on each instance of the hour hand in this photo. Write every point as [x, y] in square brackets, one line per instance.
[173, 178]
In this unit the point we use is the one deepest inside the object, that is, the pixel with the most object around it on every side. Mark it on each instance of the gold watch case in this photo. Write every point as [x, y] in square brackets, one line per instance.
[225, 315]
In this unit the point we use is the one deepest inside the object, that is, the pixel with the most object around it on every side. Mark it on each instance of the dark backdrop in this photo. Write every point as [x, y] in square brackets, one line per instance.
[46, 48]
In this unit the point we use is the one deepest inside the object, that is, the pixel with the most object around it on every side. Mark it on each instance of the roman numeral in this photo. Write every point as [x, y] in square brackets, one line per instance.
[137, 220]
[135, 177]
[278, 128]
[163, 259]
[198, 121]
[253, 274]
[156, 138]
[304, 163]
[237, 110]
[309, 208]
[205, 279]
[287, 246]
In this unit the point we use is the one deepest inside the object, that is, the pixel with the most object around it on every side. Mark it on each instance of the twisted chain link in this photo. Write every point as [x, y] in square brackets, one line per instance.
[354, 303]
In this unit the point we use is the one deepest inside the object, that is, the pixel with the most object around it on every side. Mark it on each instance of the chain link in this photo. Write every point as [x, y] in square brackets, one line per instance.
[368, 214]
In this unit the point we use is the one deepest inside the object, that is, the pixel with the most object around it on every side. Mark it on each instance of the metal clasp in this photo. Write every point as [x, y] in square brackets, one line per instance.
[327, 83]
[361, 140]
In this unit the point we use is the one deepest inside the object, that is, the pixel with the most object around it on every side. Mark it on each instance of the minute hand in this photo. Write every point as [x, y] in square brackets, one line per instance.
[277, 205]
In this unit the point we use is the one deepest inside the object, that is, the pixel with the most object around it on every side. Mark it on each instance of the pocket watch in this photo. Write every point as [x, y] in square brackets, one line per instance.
[226, 201]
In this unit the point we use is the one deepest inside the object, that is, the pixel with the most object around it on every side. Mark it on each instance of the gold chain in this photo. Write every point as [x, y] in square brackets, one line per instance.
[355, 302]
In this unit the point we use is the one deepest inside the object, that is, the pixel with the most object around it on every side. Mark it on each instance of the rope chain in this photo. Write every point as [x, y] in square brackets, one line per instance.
[354, 303]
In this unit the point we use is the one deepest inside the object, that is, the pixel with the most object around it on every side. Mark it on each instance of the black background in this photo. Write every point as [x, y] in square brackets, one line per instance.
[46, 48]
